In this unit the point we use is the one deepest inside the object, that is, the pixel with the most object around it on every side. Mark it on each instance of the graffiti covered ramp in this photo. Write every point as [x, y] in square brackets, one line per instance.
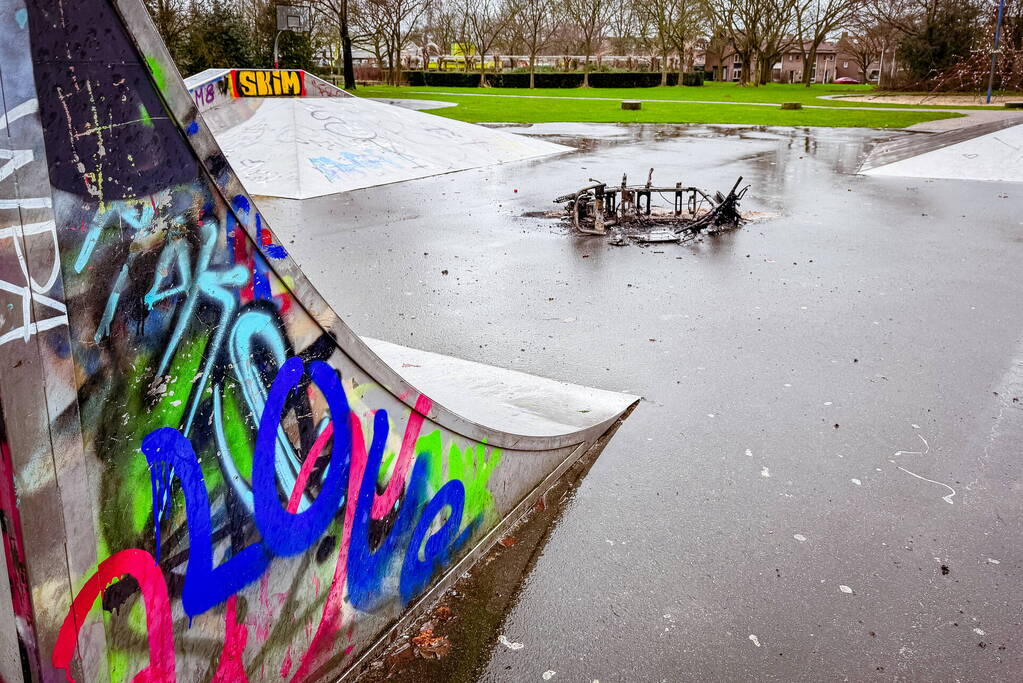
[317, 140]
[205, 475]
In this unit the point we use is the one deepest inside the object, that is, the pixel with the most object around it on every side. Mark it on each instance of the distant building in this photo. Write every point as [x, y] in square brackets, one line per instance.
[832, 61]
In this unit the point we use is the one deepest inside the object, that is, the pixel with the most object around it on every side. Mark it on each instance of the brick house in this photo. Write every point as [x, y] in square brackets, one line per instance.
[832, 62]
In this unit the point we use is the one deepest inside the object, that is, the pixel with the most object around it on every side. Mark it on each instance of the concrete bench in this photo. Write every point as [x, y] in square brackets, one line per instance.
[791, 105]
[632, 105]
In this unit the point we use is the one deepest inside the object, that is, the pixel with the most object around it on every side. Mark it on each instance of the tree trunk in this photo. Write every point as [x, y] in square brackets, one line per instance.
[808, 62]
[586, 69]
[348, 64]
[664, 68]
[532, 71]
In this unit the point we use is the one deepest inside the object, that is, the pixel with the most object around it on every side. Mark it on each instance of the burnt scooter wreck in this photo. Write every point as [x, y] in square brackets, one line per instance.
[627, 211]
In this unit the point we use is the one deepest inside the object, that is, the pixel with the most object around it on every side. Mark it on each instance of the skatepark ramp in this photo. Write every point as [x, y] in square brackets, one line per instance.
[205, 475]
[987, 151]
[290, 134]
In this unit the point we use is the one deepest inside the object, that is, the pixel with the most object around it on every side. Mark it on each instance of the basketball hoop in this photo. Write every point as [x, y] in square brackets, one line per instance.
[290, 18]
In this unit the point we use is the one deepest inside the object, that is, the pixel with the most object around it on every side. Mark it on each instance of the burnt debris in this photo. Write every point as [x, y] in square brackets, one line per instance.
[626, 211]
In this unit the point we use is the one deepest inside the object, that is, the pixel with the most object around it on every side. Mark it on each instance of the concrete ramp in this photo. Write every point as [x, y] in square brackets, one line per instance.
[205, 474]
[323, 142]
[990, 151]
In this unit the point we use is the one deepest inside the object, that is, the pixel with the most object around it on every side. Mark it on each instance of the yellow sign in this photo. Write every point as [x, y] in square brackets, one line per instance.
[267, 83]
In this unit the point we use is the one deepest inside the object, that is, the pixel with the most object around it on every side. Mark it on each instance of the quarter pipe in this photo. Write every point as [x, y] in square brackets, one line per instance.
[301, 137]
[205, 475]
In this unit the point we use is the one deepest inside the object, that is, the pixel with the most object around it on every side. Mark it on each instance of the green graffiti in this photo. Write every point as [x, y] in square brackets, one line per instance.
[127, 496]
[471, 467]
[237, 433]
[144, 116]
[159, 77]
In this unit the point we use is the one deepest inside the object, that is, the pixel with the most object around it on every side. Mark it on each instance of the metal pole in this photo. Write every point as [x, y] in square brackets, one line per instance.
[994, 52]
[880, 69]
[277, 62]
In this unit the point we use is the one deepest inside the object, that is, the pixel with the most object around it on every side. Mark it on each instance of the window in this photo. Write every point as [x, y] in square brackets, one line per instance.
[845, 65]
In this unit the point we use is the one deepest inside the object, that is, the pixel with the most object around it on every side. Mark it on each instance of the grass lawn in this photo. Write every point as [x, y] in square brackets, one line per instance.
[565, 104]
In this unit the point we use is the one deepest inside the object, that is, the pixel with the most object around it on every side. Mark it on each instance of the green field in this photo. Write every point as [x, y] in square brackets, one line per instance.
[711, 103]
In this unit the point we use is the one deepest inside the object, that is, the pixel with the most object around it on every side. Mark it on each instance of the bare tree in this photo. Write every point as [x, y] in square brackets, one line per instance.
[336, 14]
[815, 19]
[589, 18]
[623, 24]
[171, 21]
[535, 23]
[691, 18]
[759, 31]
[388, 26]
[658, 16]
[487, 21]
[868, 43]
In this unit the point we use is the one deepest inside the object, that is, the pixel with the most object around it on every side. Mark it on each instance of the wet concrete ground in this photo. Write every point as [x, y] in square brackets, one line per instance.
[817, 385]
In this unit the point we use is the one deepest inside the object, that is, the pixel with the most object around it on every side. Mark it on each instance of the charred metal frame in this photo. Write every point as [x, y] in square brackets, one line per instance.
[596, 207]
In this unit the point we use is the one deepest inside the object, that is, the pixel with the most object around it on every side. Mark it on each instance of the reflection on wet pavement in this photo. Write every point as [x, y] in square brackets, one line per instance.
[770, 511]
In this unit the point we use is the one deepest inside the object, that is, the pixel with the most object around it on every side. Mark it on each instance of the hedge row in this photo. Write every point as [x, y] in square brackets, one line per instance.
[458, 79]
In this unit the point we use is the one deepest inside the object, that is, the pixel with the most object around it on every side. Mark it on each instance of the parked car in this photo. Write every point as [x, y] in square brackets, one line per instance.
[846, 80]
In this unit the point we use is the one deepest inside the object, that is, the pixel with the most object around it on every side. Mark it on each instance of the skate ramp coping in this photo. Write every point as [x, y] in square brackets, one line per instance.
[289, 134]
[991, 151]
[507, 400]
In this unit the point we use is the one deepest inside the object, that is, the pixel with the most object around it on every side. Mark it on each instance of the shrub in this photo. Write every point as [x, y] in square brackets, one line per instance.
[549, 79]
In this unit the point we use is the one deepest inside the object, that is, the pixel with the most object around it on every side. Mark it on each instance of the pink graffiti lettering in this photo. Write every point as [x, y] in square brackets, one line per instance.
[141, 566]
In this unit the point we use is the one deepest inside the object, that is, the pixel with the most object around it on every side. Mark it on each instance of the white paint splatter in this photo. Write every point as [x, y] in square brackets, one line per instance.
[828, 403]
[856, 481]
[710, 414]
[915, 426]
[749, 453]
[753, 639]
[927, 448]
[765, 472]
[508, 644]
[799, 537]
[548, 674]
[845, 589]
[991, 560]
[947, 499]
[979, 632]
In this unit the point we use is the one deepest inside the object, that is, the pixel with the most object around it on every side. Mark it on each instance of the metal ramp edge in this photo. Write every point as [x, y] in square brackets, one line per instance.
[921, 143]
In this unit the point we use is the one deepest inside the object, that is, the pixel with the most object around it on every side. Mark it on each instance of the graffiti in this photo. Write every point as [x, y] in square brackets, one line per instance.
[284, 429]
[139, 565]
[263, 83]
[200, 311]
[259, 504]
[205, 95]
[24, 239]
[14, 554]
